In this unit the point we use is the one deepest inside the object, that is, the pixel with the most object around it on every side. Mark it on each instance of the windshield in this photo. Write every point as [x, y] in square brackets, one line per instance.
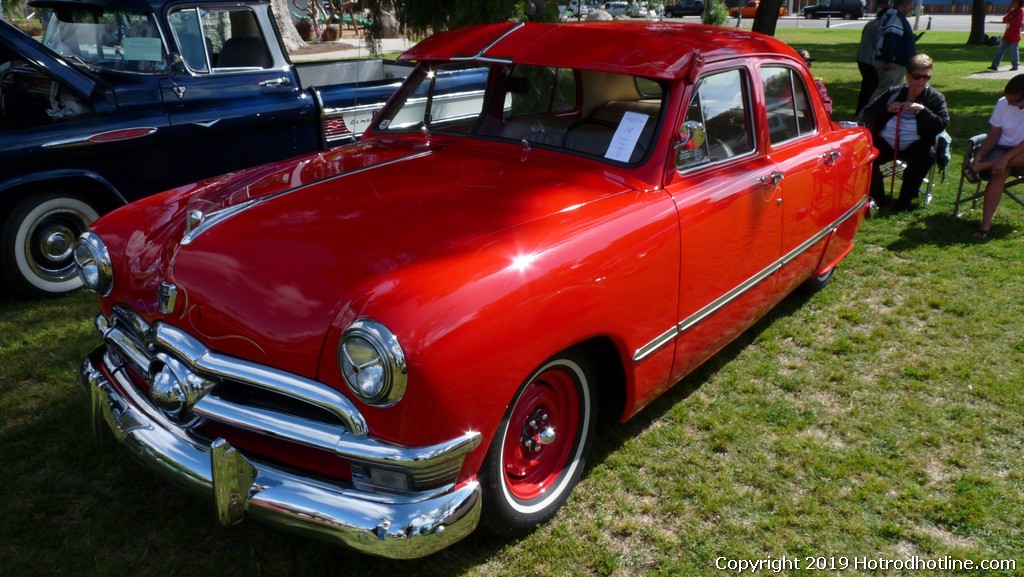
[109, 39]
[584, 112]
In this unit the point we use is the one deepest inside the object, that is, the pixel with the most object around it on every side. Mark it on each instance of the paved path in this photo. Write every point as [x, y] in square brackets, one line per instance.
[354, 48]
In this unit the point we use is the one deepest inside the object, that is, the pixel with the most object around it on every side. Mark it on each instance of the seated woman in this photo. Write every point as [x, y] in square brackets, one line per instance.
[904, 122]
[1001, 151]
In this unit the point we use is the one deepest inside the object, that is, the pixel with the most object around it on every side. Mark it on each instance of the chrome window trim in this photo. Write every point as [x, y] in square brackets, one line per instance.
[690, 321]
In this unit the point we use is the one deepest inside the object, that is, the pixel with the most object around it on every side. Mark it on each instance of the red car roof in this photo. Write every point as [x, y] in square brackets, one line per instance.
[616, 46]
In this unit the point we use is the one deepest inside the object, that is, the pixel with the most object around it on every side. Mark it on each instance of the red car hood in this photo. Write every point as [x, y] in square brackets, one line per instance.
[266, 282]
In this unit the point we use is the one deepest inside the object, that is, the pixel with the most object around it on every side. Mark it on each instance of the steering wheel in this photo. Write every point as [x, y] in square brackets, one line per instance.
[582, 122]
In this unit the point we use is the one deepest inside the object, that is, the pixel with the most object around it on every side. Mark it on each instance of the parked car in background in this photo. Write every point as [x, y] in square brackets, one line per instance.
[391, 342]
[616, 8]
[125, 98]
[750, 9]
[684, 8]
[636, 10]
[846, 9]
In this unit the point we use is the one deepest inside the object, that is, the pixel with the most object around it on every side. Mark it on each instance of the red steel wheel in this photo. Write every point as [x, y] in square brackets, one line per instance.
[538, 454]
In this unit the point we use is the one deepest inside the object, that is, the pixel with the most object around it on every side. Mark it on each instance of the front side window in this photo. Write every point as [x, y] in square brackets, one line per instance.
[220, 40]
[717, 125]
[786, 103]
[122, 40]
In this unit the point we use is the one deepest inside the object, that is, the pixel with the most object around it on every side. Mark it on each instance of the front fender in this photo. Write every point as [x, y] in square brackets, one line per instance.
[475, 322]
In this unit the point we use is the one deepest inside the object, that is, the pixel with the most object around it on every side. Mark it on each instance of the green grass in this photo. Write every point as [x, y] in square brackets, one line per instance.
[881, 418]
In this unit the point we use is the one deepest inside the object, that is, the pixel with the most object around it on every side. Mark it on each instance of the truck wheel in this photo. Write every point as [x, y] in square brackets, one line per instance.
[38, 242]
[539, 451]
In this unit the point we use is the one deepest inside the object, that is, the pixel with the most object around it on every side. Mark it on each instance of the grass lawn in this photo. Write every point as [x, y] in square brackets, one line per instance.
[878, 420]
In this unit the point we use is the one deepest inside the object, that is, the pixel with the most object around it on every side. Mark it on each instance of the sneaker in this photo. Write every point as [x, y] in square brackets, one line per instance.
[993, 69]
[1013, 69]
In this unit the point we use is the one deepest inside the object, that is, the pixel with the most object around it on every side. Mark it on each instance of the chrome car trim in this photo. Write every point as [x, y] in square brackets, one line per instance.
[212, 218]
[687, 323]
[140, 350]
[402, 527]
[496, 59]
[116, 135]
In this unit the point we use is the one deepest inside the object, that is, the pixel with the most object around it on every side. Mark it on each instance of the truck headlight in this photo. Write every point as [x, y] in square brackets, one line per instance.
[93, 262]
[372, 363]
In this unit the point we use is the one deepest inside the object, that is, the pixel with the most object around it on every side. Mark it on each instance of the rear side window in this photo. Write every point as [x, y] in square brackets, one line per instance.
[787, 104]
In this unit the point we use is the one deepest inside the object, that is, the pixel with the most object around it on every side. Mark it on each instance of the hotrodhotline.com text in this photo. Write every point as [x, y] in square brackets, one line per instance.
[915, 563]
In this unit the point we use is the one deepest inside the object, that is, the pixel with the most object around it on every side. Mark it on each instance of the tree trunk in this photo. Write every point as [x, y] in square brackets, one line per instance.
[283, 15]
[977, 35]
[766, 17]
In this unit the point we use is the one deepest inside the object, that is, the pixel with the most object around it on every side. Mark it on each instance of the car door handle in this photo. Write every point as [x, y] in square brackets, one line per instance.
[279, 81]
[773, 179]
[831, 156]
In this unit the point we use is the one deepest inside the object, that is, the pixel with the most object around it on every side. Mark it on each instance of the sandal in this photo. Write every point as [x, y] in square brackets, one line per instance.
[981, 233]
[970, 175]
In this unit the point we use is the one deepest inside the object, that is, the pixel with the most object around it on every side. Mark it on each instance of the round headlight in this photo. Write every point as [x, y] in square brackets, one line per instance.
[372, 363]
[93, 262]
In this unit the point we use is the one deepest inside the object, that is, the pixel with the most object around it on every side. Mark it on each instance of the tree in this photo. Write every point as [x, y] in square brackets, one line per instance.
[766, 17]
[283, 15]
[977, 35]
[423, 17]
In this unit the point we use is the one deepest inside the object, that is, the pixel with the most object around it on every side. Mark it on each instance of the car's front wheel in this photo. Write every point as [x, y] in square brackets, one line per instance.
[37, 243]
[539, 451]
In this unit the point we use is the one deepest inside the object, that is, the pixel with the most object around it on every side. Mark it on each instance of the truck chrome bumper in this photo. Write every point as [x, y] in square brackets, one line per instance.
[397, 527]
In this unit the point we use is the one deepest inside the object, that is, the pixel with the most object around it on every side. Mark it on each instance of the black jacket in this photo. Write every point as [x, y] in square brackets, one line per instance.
[931, 121]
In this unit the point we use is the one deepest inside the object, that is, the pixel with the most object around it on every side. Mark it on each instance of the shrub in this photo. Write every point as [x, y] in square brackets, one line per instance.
[715, 13]
[305, 28]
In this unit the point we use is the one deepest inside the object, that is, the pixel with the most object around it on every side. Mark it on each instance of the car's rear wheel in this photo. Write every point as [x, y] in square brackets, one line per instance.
[817, 283]
[37, 243]
[539, 451]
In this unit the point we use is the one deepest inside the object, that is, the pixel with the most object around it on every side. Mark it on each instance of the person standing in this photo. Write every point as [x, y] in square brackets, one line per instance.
[896, 45]
[1014, 20]
[866, 58]
[904, 122]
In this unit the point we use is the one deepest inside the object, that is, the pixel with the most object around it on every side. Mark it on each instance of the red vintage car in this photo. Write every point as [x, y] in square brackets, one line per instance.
[389, 343]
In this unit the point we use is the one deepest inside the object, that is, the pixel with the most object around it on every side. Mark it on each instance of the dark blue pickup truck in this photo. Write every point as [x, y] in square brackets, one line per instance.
[125, 98]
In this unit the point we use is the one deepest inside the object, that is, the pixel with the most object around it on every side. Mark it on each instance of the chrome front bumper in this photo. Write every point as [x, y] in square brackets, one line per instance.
[399, 527]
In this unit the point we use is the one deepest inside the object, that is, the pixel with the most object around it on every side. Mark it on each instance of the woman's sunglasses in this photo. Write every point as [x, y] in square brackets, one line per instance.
[921, 76]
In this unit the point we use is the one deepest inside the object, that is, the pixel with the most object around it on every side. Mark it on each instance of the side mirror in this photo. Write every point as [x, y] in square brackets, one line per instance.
[691, 135]
[689, 148]
[175, 63]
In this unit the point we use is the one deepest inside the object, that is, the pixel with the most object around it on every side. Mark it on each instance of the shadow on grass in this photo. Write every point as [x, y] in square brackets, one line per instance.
[612, 436]
[943, 230]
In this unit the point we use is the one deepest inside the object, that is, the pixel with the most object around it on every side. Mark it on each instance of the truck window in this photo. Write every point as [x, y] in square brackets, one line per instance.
[220, 40]
[111, 39]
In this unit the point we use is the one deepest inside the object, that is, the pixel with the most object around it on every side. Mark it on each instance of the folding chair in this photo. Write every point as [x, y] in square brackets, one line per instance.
[942, 147]
[1016, 178]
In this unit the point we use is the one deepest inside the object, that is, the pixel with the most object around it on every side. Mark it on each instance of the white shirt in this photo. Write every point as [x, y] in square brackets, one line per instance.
[1010, 120]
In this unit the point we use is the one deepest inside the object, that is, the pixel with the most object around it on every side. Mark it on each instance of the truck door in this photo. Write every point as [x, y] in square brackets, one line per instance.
[237, 103]
[726, 190]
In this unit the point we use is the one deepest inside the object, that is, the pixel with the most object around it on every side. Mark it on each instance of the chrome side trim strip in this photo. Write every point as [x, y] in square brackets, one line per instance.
[116, 135]
[687, 323]
[211, 219]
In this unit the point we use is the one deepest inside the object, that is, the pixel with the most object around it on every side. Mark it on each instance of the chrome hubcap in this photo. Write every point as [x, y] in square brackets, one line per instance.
[537, 433]
[57, 244]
